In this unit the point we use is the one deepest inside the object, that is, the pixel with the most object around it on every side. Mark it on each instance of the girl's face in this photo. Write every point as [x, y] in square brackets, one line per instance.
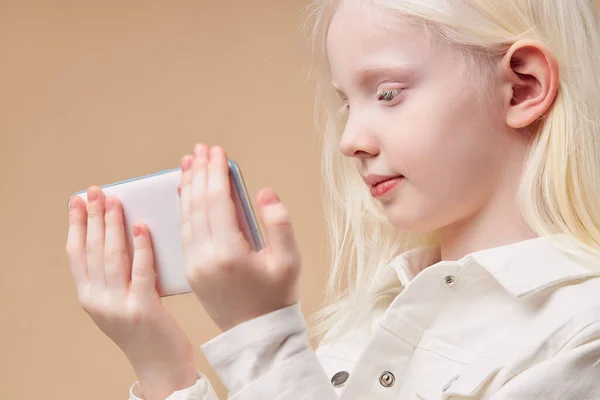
[414, 111]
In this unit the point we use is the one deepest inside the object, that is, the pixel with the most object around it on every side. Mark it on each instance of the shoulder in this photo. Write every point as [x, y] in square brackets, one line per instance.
[564, 318]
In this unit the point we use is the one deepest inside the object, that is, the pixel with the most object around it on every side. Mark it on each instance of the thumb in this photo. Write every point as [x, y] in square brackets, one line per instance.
[278, 228]
[143, 276]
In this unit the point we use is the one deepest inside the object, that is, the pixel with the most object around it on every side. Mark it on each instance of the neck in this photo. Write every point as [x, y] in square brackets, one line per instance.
[498, 222]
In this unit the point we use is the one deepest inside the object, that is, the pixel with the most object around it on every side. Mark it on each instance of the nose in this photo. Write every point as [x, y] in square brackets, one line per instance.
[358, 140]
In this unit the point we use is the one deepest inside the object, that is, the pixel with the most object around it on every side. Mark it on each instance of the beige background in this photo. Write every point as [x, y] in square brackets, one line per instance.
[93, 92]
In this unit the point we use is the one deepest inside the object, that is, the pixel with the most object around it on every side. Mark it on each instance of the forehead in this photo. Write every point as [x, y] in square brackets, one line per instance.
[360, 36]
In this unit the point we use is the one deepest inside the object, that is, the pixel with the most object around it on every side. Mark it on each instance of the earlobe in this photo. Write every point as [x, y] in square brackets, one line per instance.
[531, 79]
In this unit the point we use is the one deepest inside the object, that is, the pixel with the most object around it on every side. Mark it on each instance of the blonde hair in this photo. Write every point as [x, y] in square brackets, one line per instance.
[559, 193]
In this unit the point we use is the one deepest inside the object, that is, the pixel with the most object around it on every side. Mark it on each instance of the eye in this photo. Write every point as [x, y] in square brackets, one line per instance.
[388, 94]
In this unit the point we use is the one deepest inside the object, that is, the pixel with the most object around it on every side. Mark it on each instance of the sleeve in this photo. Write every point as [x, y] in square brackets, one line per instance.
[572, 374]
[201, 390]
[269, 357]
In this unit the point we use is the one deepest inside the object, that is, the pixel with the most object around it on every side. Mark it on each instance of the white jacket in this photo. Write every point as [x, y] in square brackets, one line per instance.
[520, 321]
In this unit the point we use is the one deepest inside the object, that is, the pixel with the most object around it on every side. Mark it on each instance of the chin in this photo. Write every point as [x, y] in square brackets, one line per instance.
[408, 219]
[411, 225]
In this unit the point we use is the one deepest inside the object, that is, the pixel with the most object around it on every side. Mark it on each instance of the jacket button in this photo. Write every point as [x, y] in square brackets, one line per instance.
[449, 281]
[387, 379]
[339, 379]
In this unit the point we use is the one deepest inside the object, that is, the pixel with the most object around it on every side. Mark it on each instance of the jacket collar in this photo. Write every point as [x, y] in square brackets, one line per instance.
[521, 268]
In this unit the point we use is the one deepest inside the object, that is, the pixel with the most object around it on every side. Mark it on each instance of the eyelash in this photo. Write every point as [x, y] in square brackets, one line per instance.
[386, 95]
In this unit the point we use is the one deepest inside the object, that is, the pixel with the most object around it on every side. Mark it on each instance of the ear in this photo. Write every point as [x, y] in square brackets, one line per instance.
[530, 72]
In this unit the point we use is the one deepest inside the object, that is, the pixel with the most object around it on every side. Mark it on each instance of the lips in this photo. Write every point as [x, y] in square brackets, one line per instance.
[374, 180]
[386, 186]
[388, 179]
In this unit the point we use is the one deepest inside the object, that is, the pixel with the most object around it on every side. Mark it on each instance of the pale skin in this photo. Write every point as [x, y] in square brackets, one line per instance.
[234, 283]
[461, 165]
[459, 178]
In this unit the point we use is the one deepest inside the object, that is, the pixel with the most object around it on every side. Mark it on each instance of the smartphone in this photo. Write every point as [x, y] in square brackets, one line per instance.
[153, 200]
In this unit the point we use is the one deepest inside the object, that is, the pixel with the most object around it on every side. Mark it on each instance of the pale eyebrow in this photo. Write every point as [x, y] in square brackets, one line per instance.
[365, 75]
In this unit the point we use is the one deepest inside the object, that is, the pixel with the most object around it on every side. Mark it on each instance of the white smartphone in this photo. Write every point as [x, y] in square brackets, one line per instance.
[153, 200]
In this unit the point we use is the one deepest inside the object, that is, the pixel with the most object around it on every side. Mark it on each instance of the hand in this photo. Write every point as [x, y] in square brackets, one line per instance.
[233, 282]
[121, 297]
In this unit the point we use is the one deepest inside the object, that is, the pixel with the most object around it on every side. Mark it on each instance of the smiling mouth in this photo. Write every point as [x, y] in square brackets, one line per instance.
[387, 180]
[386, 186]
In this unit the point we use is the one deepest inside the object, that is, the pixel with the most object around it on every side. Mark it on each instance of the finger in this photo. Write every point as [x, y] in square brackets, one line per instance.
[143, 273]
[222, 216]
[95, 237]
[76, 241]
[278, 228]
[116, 258]
[179, 190]
[198, 206]
[185, 187]
[184, 205]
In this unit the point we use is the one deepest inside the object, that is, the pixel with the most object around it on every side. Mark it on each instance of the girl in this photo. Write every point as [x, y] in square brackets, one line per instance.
[461, 154]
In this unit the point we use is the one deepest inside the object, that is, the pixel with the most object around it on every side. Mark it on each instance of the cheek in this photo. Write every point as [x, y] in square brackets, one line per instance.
[445, 149]
[452, 128]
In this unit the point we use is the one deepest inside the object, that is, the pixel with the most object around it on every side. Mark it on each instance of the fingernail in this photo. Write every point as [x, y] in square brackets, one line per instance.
[73, 203]
[92, 195]
[108, 203]
[136, 230]
[273, 199]
[186, 163]
[199, 150]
